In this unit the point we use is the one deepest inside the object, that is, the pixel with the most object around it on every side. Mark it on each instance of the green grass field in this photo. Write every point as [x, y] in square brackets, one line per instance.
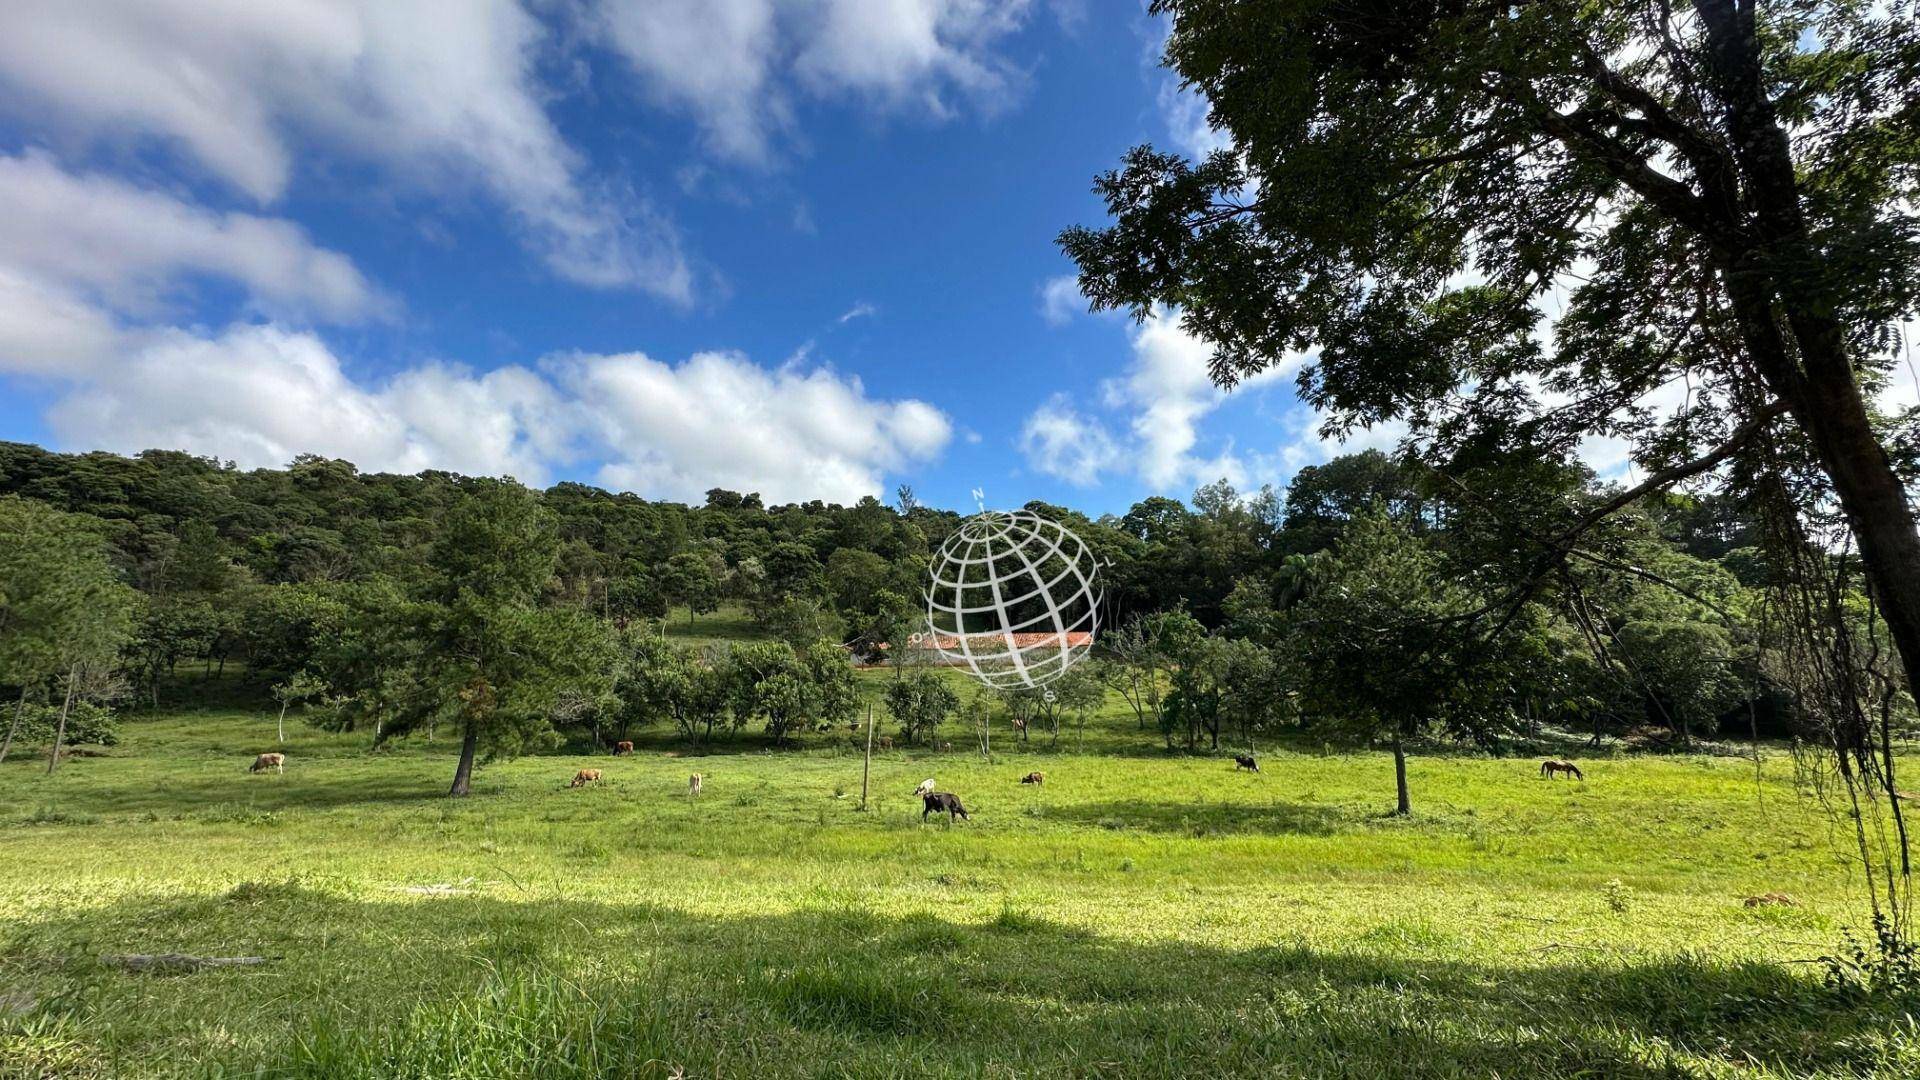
[1141, 914]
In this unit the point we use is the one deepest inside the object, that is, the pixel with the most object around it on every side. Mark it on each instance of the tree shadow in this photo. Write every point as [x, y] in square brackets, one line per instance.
[1197, 818]
[492, 985]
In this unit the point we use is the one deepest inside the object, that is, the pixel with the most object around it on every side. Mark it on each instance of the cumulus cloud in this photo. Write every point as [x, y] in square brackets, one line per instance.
[1060, 299]
[441, 94]
[717, 419]
[1165, 394]
[1061, 442]
[738, 67]
[261, 394]
[1169, 392]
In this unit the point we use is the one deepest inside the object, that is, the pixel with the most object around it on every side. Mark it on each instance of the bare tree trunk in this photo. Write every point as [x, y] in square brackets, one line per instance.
[60, 731]
[19, 715]
[1404, 806]
[283, 721]
[463, 775]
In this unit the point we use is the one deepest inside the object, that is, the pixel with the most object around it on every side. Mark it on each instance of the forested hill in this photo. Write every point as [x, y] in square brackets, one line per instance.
[224, 557]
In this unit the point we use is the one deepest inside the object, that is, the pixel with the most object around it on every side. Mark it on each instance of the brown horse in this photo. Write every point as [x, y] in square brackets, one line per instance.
[1550, 767]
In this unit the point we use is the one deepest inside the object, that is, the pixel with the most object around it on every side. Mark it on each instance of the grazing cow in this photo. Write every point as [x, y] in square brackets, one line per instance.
[1034, 778]
[585, 777]
[935, 801]
[1550, 767]
[622, 747]
[1245, 761]
[693, 785]
[925, 789]
[276, 762]
[945, 747]
[1772, 899]
[885, 742]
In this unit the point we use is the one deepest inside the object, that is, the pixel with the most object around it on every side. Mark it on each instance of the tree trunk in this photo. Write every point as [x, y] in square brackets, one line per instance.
[283, 721]
[1405, 804]
[463, 775]
[19, 715]
[60, 730]
[1780, 263]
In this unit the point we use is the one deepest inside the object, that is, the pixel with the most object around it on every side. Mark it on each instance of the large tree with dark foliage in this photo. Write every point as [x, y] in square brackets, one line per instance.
[495, 662]
[1722, 195]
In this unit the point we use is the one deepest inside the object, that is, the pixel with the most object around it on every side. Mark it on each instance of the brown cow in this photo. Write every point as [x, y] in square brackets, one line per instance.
[1549, 767]
[693, 784]
[622, 747]
[276, 762]
[585, 777]
[885, 742]
[1034, 778]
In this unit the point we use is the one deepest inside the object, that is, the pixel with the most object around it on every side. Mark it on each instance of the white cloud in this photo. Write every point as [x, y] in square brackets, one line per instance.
[860, 310]
[713, 58]
[444, 95]
[719, 420]
[261, 394]
[1060, 299]
[130, 245]
[1169, 391]
[47, 329]
[738, 66]
[1061, 442]
[1305, 445]
[1188, 119]
[1166, 393]
[79, 255]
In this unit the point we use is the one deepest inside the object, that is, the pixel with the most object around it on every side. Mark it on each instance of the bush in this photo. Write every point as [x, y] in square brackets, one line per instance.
[87, 723]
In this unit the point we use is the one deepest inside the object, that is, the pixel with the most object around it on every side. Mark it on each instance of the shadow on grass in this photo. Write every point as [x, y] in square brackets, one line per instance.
[486, 986]
[1191, 818]
[194, 797]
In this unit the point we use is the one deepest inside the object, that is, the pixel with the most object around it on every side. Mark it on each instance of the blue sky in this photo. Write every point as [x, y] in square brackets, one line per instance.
[803, 247]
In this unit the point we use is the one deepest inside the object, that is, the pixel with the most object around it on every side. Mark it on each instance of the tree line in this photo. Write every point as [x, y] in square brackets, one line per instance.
[1368, 603]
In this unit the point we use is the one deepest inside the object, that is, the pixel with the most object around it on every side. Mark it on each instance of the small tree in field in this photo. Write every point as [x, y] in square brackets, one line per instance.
[920, 702]
[791, 691]
[1370, 640]
[303, 687]
[1078, 692]
[659, 678]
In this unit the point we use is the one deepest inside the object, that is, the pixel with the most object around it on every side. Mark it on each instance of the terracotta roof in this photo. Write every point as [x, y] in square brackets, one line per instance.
[990, 642]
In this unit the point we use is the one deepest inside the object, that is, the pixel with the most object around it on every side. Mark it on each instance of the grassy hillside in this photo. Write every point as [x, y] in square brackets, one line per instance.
[1140, 914]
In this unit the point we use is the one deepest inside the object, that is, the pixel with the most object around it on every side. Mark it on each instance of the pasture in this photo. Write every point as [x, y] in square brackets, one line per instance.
[1139, 914]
